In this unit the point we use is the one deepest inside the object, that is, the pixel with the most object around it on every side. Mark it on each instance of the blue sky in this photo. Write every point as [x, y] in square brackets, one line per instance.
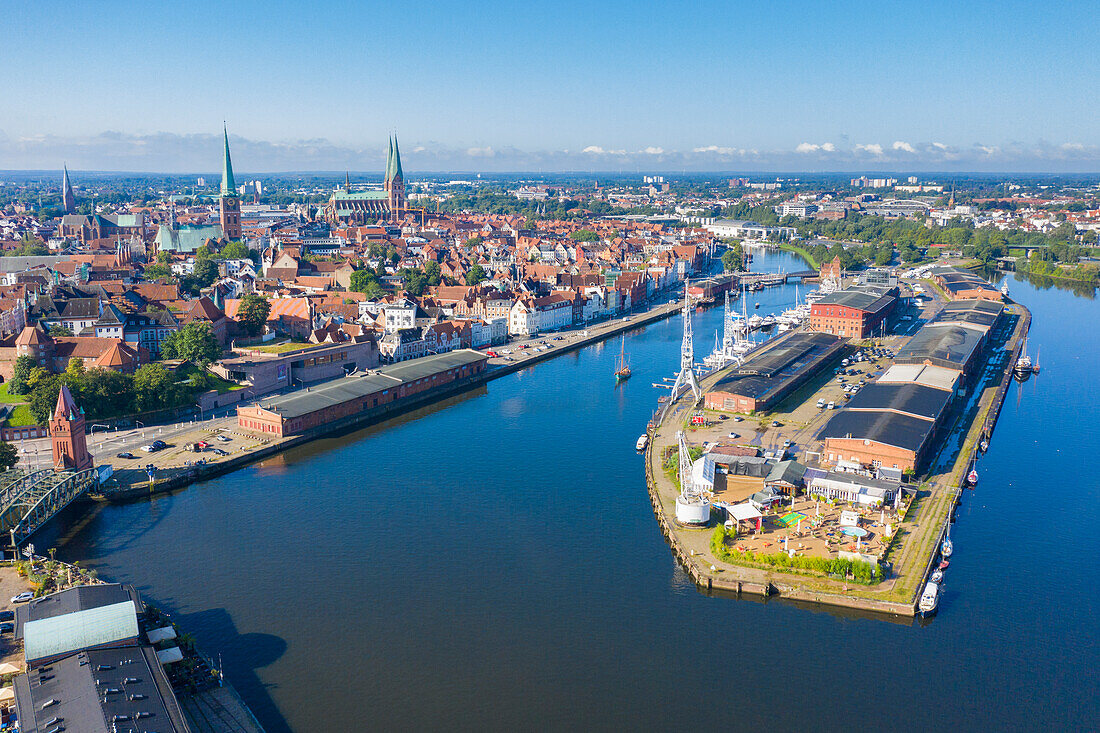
[554, 86]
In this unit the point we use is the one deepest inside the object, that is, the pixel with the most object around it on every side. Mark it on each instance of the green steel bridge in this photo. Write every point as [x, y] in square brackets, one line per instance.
[30, 498]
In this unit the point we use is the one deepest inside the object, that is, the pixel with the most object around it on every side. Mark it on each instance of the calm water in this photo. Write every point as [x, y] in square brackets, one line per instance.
[494, 564]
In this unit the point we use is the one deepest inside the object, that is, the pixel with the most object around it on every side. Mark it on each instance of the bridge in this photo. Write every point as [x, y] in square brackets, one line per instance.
[29, 499]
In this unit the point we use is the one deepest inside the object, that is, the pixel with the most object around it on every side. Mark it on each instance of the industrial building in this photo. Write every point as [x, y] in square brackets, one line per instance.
[855, 312]
[91, 668]
[964, 285]
[315, 407]
[766, 378]
[895, 421]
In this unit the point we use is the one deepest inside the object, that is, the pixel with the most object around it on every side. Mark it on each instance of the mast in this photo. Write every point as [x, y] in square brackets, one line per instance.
[686, 377]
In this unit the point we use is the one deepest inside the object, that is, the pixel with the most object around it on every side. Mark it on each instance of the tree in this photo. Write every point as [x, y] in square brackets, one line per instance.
[155, 388]
[9, 456]
[156, 272]
[106, 393]
[58, 330]
[733, 259]
[433, 272]
[475, 275]
[75, 372]
[43, 398]
[20, 374]
[414, 281]
[235, 251]
[367, 282]
[205, 273]
[585, 235]
[253, 311]
[195, 342]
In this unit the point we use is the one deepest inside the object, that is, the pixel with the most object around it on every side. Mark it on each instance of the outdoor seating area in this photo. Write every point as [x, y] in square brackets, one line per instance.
[814, 528]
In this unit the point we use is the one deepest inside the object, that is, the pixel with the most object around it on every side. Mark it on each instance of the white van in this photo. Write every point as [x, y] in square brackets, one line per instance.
[832, 405]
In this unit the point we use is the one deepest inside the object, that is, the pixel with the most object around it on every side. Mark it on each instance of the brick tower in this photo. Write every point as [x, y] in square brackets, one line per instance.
[229, 201]
[395, 182]
[68, 198]
[70, 449]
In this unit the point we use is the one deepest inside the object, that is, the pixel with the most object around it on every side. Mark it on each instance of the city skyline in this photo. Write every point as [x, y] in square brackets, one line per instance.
[722, 87]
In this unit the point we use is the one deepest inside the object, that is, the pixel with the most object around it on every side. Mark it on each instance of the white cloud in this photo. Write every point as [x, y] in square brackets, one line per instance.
[902, 145]
[486, 152]
[872, 148]
[814, 148]
[940, 146]
[828, 147]
[718, 149]
[1075, 147]
[988, 149]
[651, 150]
[594, 150]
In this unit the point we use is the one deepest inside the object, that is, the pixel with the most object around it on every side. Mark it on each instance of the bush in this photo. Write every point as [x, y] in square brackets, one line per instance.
[863, 572]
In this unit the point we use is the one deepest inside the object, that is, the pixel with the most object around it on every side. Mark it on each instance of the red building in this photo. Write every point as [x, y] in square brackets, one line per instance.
[852, 313]
[70, 449]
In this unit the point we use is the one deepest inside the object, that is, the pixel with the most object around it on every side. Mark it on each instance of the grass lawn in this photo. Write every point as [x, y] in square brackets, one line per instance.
[10, 398]
[284, 347]
[21, 416]
[186, 372]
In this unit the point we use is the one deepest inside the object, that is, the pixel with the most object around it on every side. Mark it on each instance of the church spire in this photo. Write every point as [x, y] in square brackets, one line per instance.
[347, 180]
[229, 186]
[393, 162]
[68, 198]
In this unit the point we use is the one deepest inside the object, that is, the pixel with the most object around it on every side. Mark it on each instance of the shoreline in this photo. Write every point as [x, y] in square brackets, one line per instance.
[184, 477]
[938, 496]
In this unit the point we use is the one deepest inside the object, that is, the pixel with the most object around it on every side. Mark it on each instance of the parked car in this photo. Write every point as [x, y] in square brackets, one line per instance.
[7, 615]
[491, 354]
[7, 628]
[148, 449]
[776, 424]
[832, 405]
[737, 418]
[733, 436]
[126, 454]
[224, 439]
[22, 597]
[159, 444]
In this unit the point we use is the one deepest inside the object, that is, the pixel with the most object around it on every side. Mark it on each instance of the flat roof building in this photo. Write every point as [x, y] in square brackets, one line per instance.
[856, 312]
[764, 379]
[341, 398]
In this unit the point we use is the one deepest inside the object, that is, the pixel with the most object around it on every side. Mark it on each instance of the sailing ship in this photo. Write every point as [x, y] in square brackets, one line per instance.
[622, 371]
[1023, 366]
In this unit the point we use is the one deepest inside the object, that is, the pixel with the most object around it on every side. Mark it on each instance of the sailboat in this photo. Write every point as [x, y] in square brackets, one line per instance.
[1023, 367]
[622, 372]
[947, 548]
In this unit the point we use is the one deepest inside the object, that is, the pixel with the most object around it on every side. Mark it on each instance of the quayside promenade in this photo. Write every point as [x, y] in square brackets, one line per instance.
[907, 538]
[176, 467]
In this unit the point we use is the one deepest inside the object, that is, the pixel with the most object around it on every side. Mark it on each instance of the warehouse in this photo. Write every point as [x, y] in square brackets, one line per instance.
[856, 438]
[332, 401]
[963, 284]
[856, 312]
[765, 379]
[944, 345]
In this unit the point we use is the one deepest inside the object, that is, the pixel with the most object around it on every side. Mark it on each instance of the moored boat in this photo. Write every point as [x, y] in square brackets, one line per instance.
[937, 576]
[929, 599]
[642, 441]
[622, 373]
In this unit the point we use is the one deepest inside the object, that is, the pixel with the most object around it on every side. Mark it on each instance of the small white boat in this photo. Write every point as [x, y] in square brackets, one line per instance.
[947, 548]
[930, 599]
[937, 576]
[642, 442]
[972, 477]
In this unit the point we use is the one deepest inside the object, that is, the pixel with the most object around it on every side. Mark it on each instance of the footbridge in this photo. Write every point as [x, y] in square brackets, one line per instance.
[29, 499]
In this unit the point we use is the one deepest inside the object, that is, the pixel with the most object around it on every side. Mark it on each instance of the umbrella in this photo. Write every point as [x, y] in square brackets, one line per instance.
[7, 694]
[9, 668]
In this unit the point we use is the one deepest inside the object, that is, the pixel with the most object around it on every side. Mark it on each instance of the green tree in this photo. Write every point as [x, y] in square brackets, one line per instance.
[585, 235]
[21, 372]
[414, 280]
[475, 275]
[59, 330]
[253, 311]
[43, 398]
[195, 342]
[235, 251]
[9, 456]
[155, 388]
[157, 271]
[733, 259]
[205, 273]
[433, 272]
[106, 393]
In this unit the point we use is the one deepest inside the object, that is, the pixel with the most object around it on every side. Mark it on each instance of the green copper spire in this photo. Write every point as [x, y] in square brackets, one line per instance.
[229, 186]
[393, 161]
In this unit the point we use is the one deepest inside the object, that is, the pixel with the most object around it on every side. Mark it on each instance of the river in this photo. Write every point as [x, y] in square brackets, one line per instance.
[493, 563]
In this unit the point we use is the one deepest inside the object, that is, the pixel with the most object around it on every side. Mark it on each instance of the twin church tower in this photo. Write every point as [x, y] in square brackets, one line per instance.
[345, 206]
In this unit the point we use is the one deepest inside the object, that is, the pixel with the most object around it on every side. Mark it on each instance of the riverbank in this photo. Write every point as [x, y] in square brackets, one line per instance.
[132, 483]
[915, 544]
[803, 253]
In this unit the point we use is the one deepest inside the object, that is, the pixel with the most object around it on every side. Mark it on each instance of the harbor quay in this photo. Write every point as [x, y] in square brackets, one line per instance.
[336, 406]
[831, 474]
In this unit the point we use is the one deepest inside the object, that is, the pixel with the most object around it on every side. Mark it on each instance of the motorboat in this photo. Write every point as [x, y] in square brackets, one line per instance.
[929, 599]
[944, 565]
[984, 445]
[937, 576]
[972, 477]
[946, 548]
[642, 442]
